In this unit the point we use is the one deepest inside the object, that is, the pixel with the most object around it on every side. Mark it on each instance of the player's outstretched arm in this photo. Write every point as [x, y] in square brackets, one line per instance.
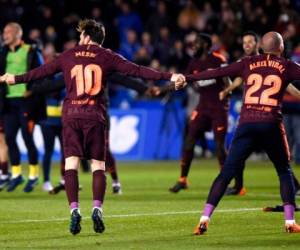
[120, 64]
[233, 70]
[236, 83]
[35, 74]
[292, 90]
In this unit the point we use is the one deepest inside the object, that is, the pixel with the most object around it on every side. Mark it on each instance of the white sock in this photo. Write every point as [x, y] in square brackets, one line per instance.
[204, 218]
[116, 184]
[74, 209]
[290, 222]
[100, 208]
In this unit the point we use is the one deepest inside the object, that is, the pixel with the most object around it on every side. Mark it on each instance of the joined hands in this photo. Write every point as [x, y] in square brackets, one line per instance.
[180, 81]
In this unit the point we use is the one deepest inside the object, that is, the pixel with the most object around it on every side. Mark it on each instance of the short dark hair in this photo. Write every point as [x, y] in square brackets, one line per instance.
[251, 33]
[206, 38]
[94, 29]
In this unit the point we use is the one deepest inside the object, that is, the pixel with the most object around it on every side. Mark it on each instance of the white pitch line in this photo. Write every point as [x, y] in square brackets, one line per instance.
[135, 215]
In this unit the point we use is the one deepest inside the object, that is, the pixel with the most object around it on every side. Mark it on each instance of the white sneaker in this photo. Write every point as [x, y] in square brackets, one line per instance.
[47, 186]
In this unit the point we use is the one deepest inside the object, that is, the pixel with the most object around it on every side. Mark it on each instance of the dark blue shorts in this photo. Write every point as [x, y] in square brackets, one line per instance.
[269, 137]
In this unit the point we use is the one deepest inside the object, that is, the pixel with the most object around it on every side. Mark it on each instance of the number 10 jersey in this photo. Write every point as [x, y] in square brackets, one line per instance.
[85, 68]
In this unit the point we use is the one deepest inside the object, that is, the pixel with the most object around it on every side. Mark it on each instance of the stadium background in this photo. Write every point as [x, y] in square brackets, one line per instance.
[157, 34]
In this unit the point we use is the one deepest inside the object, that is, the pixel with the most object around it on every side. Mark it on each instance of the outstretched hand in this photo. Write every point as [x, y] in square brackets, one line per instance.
[8, 78]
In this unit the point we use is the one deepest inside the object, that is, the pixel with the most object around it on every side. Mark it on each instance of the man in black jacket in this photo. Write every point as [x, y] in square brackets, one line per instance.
[19, 112]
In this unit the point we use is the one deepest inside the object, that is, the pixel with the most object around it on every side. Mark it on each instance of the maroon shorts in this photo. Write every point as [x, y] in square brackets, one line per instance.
[85, 139]
[205, 121]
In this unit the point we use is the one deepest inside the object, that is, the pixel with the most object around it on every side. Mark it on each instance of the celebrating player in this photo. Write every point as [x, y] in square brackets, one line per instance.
[84, 114]
[210, 113]
[251, 48]
[266, 77]
[54, 88]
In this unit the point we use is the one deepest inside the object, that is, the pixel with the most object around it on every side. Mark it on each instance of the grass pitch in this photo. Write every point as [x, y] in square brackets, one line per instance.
[147, 216]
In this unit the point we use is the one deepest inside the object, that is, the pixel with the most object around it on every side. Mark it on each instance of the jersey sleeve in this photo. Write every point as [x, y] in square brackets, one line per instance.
[232, 70]
[120, 64]
[41, 71]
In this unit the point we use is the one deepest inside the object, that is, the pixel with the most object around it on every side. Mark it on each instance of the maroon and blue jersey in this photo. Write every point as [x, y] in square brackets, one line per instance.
[85, 68]
[209, 89]
[266, 78]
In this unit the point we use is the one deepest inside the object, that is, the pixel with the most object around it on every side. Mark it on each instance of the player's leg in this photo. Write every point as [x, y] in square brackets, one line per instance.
[11, 127]
[4, 176]
[110, 163]
[71, 180]
[73, 146]
[220, 123]
[99, 187]
[111, 167]
[241, 148]
[49, 134]
[71, 185]
[197, 125]
[61, 185]
[27, 127]
[95, 149]
[275, 144]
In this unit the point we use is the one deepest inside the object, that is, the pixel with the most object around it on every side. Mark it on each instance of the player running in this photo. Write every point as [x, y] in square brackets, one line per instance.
[266, 77]
[85, 68]
[210, 113]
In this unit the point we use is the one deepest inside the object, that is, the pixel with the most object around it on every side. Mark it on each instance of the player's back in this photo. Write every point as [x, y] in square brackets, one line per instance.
[266, 78]
[85, 68]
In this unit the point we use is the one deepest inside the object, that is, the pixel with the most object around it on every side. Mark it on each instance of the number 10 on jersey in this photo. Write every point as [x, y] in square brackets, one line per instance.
[87, 78]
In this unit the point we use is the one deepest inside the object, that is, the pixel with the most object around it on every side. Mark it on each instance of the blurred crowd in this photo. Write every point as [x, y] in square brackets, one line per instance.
[155, 32]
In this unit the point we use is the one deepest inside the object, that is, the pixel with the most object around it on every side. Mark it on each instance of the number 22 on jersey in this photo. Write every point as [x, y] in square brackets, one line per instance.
[256, 81]
[88, 79]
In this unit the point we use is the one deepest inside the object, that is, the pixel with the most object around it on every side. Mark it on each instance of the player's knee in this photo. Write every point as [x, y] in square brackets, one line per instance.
[72, 163]
[228, 172]
[97, 165]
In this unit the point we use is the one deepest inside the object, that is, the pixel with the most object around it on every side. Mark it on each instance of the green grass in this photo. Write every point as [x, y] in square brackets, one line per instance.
[145, 191]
